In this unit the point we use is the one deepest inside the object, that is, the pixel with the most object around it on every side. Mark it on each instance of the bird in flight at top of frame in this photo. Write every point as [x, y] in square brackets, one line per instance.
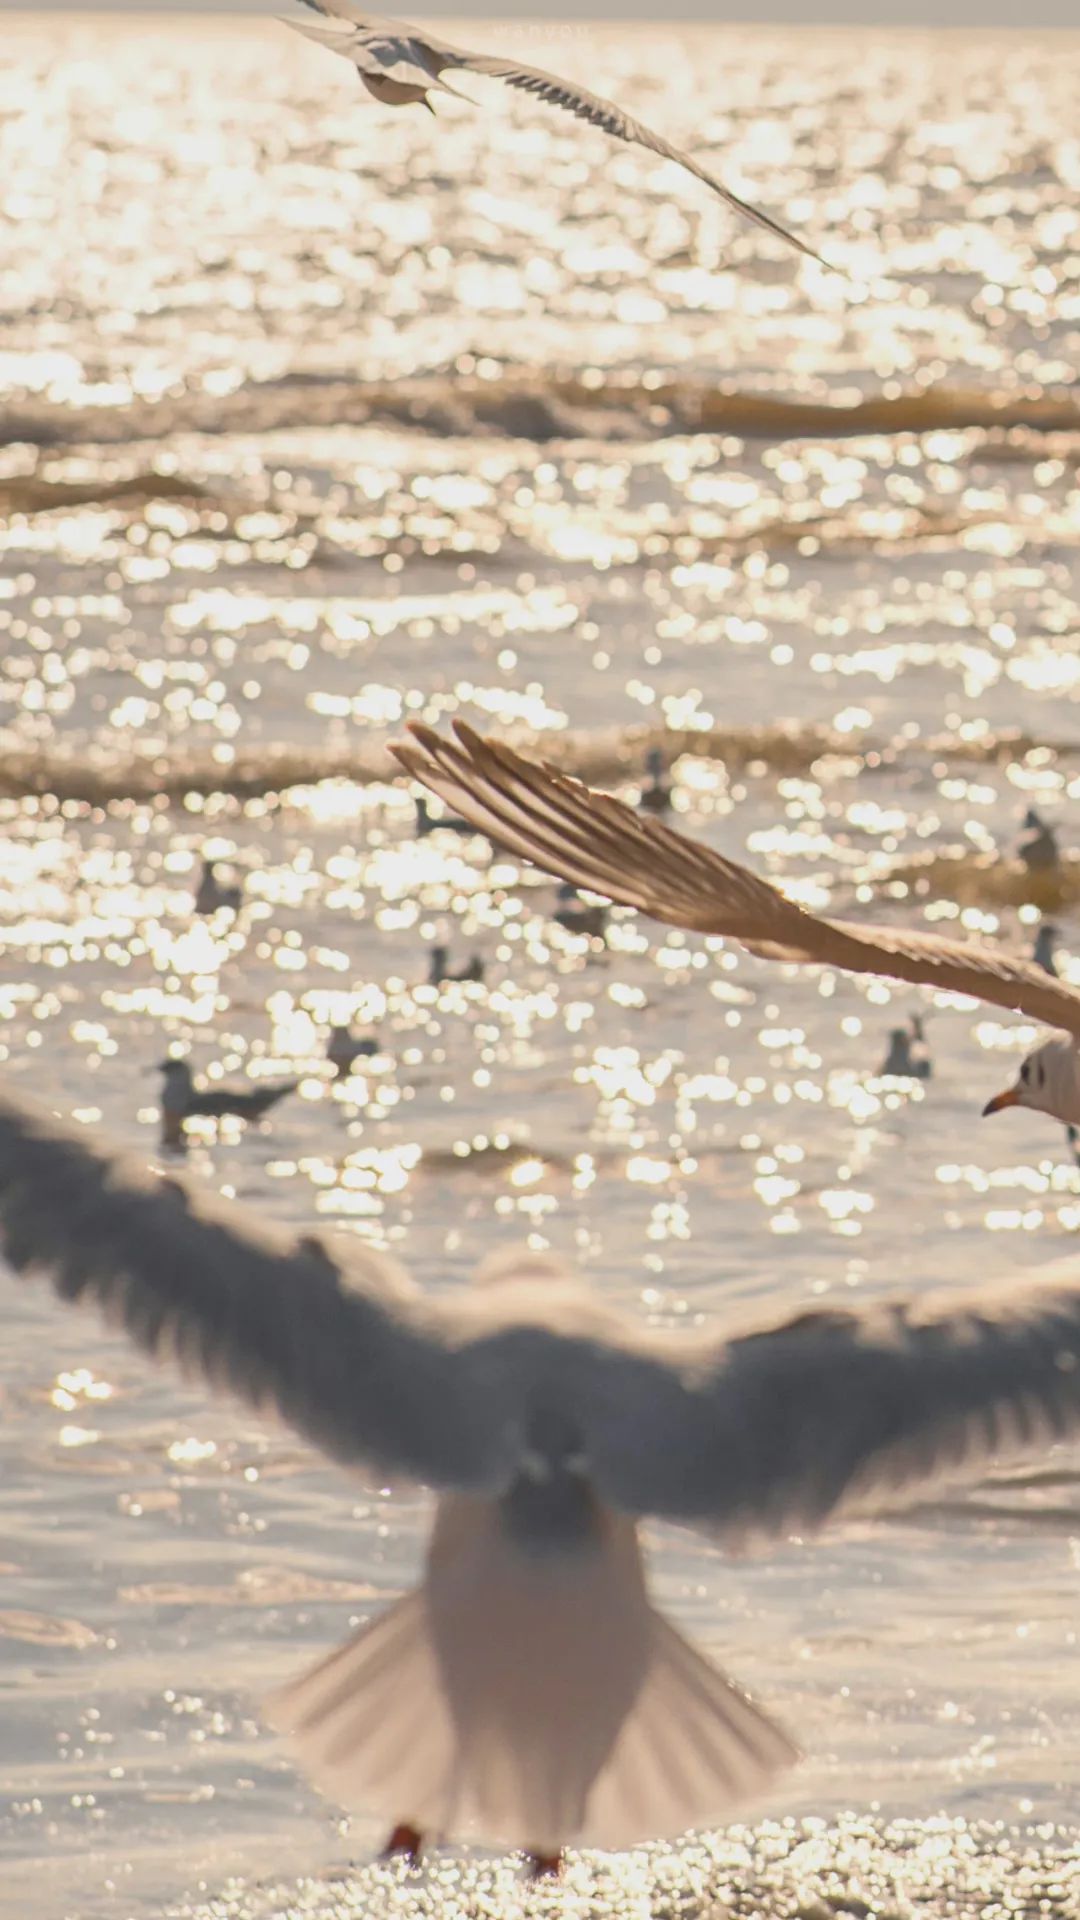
[401, 65]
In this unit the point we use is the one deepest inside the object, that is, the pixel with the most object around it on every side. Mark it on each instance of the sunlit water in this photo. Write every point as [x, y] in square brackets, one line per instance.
[317, 418]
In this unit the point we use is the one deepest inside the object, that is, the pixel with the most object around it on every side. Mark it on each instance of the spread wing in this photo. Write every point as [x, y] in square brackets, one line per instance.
[403, 53]
[779, 1429]
[760, 1434]
[341, 1347]
[596, 841]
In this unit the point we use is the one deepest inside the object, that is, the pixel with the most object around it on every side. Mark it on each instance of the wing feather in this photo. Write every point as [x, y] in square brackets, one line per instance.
[764, 1433]
[596, 841]
[790, 1424]
[339, 1346]
[403, 53]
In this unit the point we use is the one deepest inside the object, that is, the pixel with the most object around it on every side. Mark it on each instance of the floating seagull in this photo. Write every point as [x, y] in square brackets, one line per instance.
[428, 822]
[210, 894]
[656, 796]
[402, 65]
[577, 916]
[526, 1693]
[1044, 952]
[439, 969]
[182, 1100]
[596, 841]
[908, 1057]
[1036, 844]
[344, 1049]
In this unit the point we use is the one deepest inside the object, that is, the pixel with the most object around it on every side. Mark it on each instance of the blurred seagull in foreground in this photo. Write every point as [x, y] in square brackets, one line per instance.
[526, 1693]
[402, 65]
[182, 1100]
[594, 840]
[908, 1057]
[210, 894]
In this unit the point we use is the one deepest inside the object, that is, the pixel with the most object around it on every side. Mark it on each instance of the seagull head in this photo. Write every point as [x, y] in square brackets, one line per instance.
[1048, 1082]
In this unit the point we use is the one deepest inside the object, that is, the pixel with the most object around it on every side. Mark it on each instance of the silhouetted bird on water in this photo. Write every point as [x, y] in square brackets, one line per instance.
[428, 822]
[576, 915]
[344, 1049]
[656, 797]
[182, 1100]
[210, 894]
[1036, 844]
[1044, 952]
[908, 1057]
[440, 971]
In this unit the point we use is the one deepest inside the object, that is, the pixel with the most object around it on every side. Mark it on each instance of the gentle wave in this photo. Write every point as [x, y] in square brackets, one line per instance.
[65, 774]
[98, 778]
[535, 404]
[31, 493]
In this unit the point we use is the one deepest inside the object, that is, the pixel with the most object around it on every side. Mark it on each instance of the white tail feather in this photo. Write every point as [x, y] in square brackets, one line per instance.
[529, 1700]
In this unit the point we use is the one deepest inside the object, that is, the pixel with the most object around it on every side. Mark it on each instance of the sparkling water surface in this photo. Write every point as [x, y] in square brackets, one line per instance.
[317, 418]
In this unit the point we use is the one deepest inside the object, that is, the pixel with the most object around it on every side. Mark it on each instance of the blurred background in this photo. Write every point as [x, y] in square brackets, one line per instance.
[318, 417]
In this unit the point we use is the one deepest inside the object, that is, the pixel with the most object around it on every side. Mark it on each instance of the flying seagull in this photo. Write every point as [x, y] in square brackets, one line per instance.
[402, 65]
[526, 1693]
[594, 840]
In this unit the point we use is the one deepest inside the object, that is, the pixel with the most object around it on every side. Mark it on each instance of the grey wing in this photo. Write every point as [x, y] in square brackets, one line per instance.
[596, 841]
[778, 1429]
[612, 120]
[342, 1349]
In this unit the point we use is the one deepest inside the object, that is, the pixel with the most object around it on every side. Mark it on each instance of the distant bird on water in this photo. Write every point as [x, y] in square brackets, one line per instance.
[428, 822]
[577, 916]
[1044, 952]
[210, 894]
[527, 1693]
[344, 1049]
[1036, 845]
[440, 970]
[908, 1057]
[402, 65]
[182, 1100]
[655, 796]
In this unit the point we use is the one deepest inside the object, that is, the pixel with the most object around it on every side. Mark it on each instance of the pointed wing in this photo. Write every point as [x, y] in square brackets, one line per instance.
[596, 841]
[404, 53]
[612, 120]
[332, 1339]
[778, 1430]
[770, 1431]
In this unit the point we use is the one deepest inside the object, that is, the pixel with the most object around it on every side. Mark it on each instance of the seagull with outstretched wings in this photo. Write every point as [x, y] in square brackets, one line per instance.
[527, 1693]
[594, 840]
[402, 65]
